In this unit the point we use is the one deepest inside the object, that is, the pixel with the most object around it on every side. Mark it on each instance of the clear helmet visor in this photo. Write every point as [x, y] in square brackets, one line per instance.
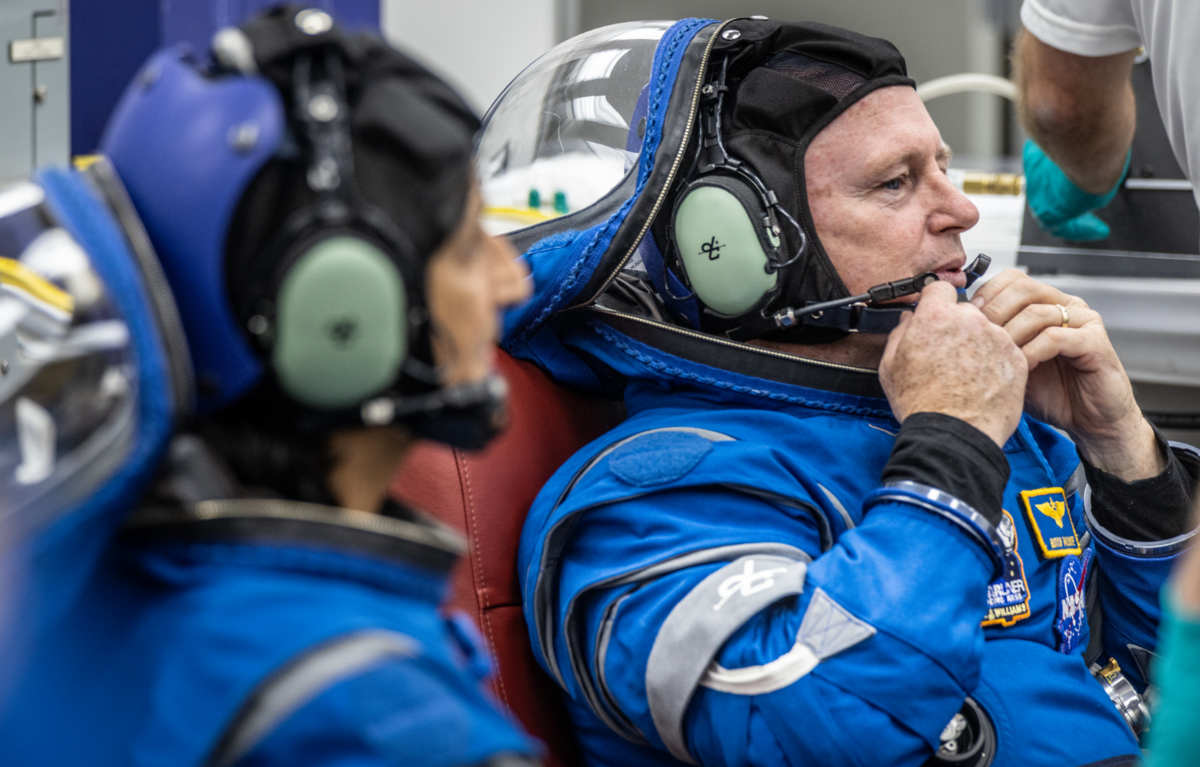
[67, 376]
[568, 128]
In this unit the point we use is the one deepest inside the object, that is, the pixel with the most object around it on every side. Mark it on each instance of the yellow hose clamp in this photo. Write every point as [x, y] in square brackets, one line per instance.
[1127, 700]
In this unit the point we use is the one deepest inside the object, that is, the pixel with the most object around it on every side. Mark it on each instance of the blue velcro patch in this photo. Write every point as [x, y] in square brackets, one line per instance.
[659, 457]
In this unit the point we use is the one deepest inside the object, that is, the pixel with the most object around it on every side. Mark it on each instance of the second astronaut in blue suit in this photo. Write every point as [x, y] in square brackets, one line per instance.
[821, 546]
[235, 588]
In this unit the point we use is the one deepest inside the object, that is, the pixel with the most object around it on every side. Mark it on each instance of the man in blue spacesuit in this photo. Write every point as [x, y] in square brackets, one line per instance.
[294, 227]
[827, 534]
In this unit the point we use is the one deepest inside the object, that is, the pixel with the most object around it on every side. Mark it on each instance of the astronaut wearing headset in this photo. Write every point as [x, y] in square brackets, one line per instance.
[834, 530]
[219, 341]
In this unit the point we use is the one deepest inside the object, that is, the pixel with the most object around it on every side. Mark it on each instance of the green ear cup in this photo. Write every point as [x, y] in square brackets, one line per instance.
[721, 251]
[340, 324]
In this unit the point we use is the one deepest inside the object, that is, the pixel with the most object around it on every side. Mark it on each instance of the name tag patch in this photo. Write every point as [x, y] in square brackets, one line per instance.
[1008, 595]
[1072, 615]
[1051, 522]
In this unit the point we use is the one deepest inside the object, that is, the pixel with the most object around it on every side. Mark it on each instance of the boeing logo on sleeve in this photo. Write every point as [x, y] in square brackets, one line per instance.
[746, 583]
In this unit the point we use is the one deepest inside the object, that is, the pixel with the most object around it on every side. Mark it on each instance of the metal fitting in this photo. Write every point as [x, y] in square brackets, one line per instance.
[244, 137]
[233, 49]
[314, 21]
[380, 411]
[1129, 703]
[993, 183]
[323, 107]
[786, 318]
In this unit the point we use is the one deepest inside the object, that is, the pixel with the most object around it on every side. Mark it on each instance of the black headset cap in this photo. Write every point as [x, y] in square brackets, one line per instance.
[788, 81]
[412, 137]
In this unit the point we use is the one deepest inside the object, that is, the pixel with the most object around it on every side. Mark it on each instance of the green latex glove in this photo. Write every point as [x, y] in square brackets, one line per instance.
[1060, 207]
[1174, 738]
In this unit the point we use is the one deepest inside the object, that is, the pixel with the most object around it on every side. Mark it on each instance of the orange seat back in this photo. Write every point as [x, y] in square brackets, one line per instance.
[485, 495]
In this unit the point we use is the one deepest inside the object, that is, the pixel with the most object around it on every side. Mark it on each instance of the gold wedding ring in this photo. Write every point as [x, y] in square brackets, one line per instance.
[1065, 315]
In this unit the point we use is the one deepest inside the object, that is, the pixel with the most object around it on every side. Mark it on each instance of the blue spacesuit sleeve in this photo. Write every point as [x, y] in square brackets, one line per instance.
[1129, 574]
[1128, 588]
[408, 712]
[1129, 581]
[744, 661]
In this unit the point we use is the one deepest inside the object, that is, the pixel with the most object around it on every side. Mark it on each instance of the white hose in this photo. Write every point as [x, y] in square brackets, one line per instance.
[968, 83]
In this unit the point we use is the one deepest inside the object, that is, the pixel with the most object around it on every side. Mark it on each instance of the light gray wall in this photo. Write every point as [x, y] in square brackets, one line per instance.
[480, 45]
[476, 45]
[937, 38]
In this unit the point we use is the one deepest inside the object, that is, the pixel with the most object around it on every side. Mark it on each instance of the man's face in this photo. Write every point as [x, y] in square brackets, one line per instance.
[470, 279]
[877, 188]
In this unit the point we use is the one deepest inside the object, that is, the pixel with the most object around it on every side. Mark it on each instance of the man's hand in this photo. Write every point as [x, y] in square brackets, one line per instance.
[1060, 207]
[947, 358]
[1076, 382]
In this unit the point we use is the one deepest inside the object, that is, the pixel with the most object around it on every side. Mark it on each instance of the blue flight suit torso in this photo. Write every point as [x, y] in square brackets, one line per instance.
[261, 633]
[764, 489]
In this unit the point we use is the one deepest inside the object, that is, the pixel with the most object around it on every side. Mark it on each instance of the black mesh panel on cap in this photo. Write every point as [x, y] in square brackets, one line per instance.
[838, 82]
[413, 135]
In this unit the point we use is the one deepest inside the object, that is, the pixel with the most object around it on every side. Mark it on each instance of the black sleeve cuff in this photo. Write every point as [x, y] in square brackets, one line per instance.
[1153, 509]
[952, 455]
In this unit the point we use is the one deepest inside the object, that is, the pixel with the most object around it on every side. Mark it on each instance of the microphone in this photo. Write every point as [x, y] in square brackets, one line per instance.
[976, 268]
[465, 415]
[856, 314]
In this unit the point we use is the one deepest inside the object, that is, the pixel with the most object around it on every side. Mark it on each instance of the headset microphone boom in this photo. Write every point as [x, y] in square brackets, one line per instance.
[861, 313]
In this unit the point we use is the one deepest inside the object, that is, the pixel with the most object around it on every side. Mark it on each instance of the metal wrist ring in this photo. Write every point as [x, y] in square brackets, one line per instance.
[1066, 316]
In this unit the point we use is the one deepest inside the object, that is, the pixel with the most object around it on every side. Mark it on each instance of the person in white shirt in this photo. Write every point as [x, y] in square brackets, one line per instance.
[1072, 67]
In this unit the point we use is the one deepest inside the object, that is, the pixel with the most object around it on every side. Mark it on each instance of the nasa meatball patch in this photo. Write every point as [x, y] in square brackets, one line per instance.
[1071, 622]
[1050, 520]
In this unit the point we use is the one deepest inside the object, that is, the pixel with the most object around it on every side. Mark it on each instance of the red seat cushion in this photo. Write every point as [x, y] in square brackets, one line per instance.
[485, 495]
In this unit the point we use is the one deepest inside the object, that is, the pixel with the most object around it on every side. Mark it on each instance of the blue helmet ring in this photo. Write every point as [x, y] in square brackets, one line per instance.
[187, 145]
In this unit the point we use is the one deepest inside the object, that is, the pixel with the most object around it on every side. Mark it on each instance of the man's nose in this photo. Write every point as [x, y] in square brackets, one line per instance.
[954, 212]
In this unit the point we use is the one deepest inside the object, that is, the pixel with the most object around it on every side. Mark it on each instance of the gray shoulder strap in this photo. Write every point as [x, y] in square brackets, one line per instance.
[700, 624]
[827, 629]
[303, 679]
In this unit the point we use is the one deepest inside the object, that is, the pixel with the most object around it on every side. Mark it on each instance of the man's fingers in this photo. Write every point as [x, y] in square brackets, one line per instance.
[1020, 294]
[1035, 318]
[1032, 320]
[946, 348]
[1071, 343]
[1002, 306]
[938, 293]
[901, 328]
[988, 290]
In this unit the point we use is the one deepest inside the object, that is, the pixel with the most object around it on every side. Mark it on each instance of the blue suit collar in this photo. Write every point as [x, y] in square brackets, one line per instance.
[409, 555]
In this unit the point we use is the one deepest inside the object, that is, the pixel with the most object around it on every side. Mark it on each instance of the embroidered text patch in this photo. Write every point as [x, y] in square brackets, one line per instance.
[1051, 522]
[1008, 595]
